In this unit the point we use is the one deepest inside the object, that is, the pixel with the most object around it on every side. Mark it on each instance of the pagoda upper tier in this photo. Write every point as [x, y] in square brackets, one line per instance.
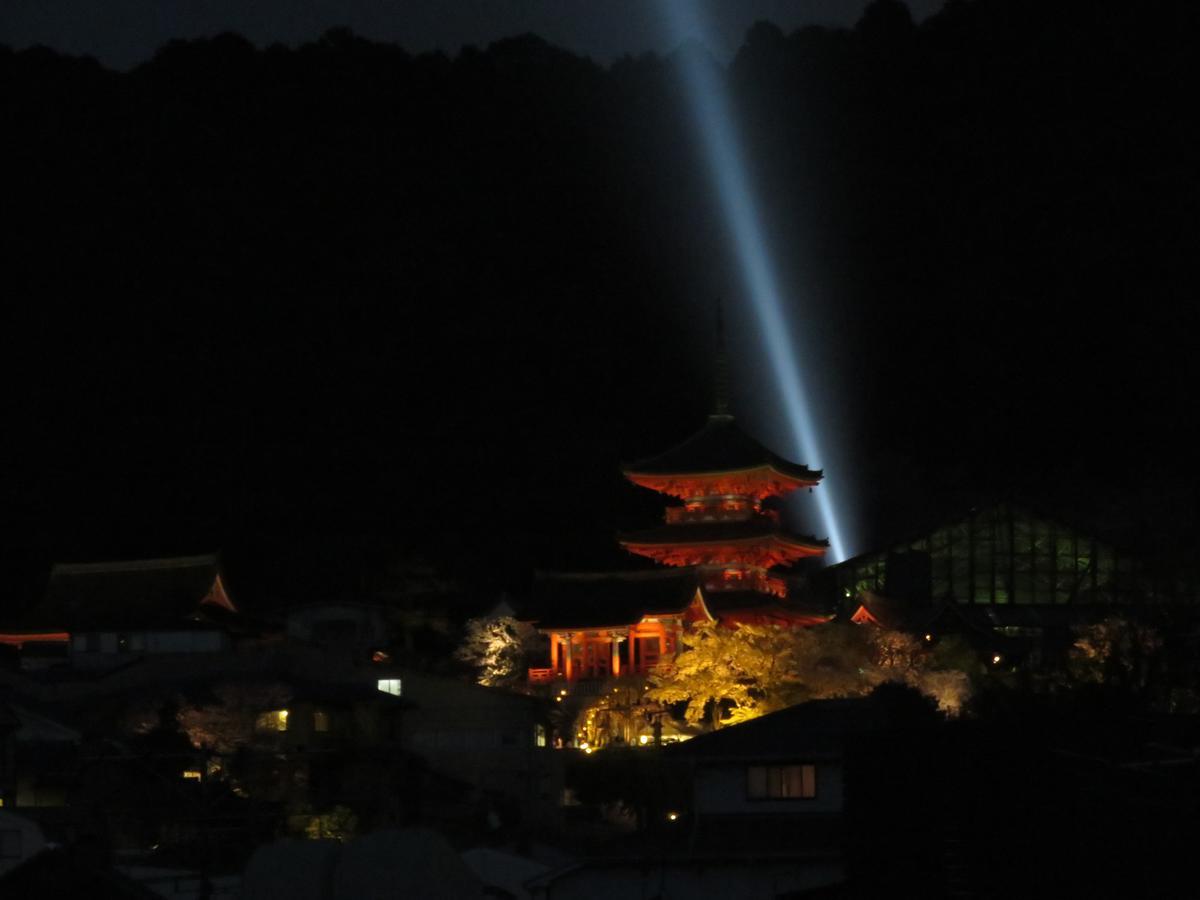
[721, 460]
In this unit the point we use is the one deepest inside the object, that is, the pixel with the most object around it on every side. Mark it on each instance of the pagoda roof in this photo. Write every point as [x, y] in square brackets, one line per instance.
[131, 595]
[719, 448]
[589, 600]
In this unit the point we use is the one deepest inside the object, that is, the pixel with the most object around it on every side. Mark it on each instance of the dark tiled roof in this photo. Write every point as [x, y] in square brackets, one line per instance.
[720, 446]
[818, 729]
[596, 599]
[717, 532]
[751, 605]
[70, 872]
[152, 593]
[600, 599]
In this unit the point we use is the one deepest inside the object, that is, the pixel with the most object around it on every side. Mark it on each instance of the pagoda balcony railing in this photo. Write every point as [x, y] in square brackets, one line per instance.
[679, 515]
[738, 580]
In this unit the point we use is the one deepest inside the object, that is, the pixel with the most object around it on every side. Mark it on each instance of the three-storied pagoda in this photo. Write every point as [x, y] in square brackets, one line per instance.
[721, 541]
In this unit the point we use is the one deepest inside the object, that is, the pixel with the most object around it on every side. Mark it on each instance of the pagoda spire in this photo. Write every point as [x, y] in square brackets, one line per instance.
[721, 368]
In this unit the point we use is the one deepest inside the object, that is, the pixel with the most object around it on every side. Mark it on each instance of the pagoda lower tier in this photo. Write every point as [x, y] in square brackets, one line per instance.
[617, 624]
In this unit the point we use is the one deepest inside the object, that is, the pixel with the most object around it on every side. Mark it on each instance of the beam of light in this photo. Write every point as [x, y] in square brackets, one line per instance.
[710, 108]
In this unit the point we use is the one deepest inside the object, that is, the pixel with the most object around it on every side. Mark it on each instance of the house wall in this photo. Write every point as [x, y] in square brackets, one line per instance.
[338, 623]
[484, 736]
[20, 839]
[721, 789]
[100, 648]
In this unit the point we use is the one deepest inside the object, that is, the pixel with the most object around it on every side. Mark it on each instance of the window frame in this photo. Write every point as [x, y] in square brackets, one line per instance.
[780, 766]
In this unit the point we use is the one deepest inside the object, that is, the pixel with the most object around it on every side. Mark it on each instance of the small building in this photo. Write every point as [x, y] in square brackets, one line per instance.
[788, 765]
[38, 758]
[104, 614]
[1012, 581]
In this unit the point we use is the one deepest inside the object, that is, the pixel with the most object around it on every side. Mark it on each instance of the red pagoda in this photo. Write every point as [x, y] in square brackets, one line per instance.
[720, 541]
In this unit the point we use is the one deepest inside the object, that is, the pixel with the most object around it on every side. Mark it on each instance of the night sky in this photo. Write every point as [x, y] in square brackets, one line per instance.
[345, 294]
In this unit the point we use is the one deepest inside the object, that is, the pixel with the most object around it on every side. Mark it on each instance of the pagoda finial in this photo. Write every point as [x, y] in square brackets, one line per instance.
[721, 373]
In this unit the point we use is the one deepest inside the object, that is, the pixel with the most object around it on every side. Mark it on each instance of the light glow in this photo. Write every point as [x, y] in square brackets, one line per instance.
[710, 108]
[391, 686]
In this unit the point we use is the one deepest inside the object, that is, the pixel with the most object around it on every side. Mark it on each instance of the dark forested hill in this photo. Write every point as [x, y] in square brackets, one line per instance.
[343, 289]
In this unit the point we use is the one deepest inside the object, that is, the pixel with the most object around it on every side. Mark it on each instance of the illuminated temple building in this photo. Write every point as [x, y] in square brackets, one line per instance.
[721, 543]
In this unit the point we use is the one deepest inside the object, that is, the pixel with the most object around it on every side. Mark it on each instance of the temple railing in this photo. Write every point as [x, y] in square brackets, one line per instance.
[747, 581]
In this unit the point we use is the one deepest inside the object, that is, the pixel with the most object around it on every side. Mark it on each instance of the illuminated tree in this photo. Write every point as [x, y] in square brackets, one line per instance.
[228, 723]
[1114, 651]
[758, 669]
[498, 648]
[752, 668]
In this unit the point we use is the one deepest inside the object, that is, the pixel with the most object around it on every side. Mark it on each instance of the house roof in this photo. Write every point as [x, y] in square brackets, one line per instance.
[818, 729]
[75, 871]
[146, 593]
[719, 446]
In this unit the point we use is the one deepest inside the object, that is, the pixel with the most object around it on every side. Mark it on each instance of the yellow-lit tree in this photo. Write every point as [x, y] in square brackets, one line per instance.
[756, 669]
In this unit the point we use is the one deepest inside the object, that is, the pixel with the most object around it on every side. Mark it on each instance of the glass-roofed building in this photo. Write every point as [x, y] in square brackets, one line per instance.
[1004, 560]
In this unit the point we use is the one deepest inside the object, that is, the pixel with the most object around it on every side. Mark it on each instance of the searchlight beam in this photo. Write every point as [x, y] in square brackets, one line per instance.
[711, 111]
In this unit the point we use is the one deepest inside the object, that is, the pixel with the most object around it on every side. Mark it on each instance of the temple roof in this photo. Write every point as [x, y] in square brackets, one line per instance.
[603, 599]
[591, 600]
[719, 448]
[752, 608]
[131, 595]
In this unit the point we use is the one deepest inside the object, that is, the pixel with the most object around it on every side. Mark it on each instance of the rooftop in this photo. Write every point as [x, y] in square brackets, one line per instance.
[131, 594]
[721, 448]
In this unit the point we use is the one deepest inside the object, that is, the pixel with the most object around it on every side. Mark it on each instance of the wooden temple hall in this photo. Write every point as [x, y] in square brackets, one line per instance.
[720, 543]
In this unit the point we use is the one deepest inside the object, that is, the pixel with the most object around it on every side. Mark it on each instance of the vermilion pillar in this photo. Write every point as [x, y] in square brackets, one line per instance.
[567, 648]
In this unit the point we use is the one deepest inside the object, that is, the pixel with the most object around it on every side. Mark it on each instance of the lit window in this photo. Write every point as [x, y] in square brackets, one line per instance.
[781, 782]
[320, 721]
[275, 720]
[192, 774]
[539, 735]
[389, 686]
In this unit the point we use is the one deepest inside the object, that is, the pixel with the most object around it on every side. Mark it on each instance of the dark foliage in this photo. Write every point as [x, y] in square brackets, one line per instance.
[346, 289]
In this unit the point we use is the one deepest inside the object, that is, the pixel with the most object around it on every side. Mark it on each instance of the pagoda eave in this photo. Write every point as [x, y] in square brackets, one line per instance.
[758, 482]
[761, 552]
